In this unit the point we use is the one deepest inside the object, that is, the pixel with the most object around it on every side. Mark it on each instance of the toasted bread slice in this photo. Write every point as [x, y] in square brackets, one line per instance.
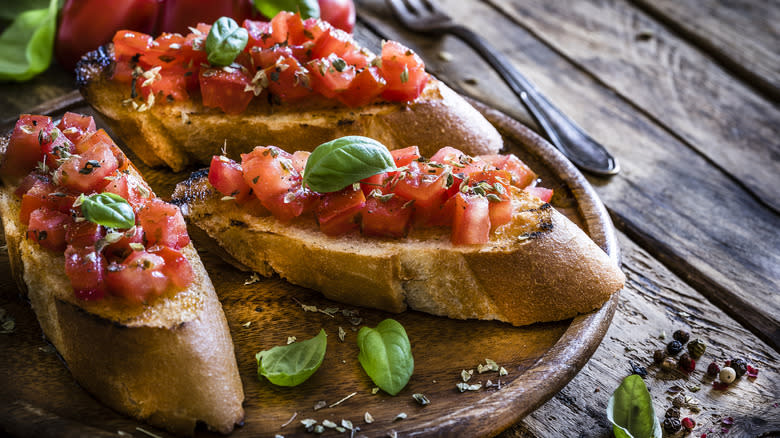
[177, 134]
[540, 267]
[170, 363]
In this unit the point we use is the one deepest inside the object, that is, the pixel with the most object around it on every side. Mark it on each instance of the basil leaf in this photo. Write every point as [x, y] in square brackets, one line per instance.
[630, 410]
[344, 161]
[386, 355]
[291, 365]
[107, 209]
[26, 46]
[307, 8]
[225, 41]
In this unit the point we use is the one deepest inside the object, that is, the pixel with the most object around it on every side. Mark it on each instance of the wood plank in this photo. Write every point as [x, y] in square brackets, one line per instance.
[675, 84]
[685, 210]
[656, 301]
[743, 35]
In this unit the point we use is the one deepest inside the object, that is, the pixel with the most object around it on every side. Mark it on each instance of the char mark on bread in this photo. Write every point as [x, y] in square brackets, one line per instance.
[97, 62]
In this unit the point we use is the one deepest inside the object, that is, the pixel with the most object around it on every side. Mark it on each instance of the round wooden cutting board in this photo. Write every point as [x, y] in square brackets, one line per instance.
[40, 398]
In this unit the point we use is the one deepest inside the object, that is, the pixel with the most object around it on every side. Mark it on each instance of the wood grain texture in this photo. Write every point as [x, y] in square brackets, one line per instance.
[540, 358]
[655, 301]
[742, 35]
[674, 201]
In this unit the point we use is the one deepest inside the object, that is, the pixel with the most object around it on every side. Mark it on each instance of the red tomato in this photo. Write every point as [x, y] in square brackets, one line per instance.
[227, 177]
[388, 218]
[404, 157]
[404, 72]
[225, 90]
[471, 220]
[75, 126]
[340, 13]
[330, 75]
[337, 212]
[24, 152]
[128, 45]
[287, 78]
[55, 146]
[259, 34]
[47, 227]
[299, 159]
[42, 194]
[28, 181]
[423, 183]
[367, 85]
[120, 249]
[87, 24]
[139, 278]
[541, 193]
[163, 224]
[333, 41]
[83, 234]
[522, 175]
[269, 171]
[177, 268]
[495, 185]
[132, 189]
[85, 267]
[86, 172]
[178, 15]
[380, 181]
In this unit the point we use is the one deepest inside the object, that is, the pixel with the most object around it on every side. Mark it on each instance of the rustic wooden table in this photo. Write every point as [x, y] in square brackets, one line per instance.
[685, 94]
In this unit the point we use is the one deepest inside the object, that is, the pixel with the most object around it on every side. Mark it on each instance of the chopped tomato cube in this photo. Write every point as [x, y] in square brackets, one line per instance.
[169, 85]
[87, 172]
[259, 34]
[522, 175]
[364, 88]
[83, 234]
[269, 171]
[404, 72]
[330, 76]
[128, 43]
[85, 267]
[425, 184]
[540, 192]
[177, 268]
[337, 212]
[226, 90]
[470, 220]
[55, 146]
[227, 177]
[292, 204]
[24, 150]
[403, 157]
[287, 79]
[75, 126]
[333, 41]
[43, 194]
[122, 248]
[380, 182]
[163, 224]
[386, 218]
[132, 189]
[299, 159]
[139, 278]
[47, 227]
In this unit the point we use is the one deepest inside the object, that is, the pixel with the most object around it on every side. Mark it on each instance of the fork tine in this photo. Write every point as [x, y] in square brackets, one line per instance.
[434, 6]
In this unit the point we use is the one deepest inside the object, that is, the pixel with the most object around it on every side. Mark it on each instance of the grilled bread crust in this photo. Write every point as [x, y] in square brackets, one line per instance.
[540, 267]
[170, 363]
[177, 134]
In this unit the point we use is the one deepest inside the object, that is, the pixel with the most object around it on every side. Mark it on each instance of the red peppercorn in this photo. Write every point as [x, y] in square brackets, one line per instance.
[686, 363]
[713, 370]
[688, 423]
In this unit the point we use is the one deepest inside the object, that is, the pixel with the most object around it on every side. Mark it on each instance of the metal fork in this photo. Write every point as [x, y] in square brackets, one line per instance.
[426, 16]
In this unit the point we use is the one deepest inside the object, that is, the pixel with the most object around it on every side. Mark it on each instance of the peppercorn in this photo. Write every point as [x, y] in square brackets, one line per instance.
[668, 364]
[686, 363]
[696, 348]
[678, 401]
[681, 335]
[713, 370]
[658, 356]
[674, 347]
[688, 423]
[638, 370]
[672, 412]
[740, 366]
[727, 375]
[672, 425]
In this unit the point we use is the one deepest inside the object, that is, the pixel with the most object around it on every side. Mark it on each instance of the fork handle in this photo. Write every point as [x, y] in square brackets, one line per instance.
[570, 139]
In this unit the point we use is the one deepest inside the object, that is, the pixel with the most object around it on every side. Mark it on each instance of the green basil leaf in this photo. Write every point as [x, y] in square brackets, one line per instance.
[307, 8]
[386, 355]
[26, 46]
[107, 209]
[630, 410]
[291, 365]
[225, 41]
[344, 161]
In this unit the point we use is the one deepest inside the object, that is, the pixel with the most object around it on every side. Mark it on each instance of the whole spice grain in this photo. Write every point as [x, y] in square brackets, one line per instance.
[672, 412]
[674, 347]
[688, 423]
[696, 348]
[727, 375]
[681, 335]
[671, 424]
[658, 356]
[739, 365]
[712, 370]
[686, 364]
[668, 364]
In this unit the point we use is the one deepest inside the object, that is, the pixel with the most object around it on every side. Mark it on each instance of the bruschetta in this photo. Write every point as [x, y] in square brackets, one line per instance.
[111, 274]
[454, 235]
[296, 84]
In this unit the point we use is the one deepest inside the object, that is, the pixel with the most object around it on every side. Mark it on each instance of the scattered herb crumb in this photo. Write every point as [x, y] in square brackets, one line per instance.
[401, 416]
[320, 404]
[247, 324]
[368, 418]
[308, 423]
[291, 339]
[502, 371]
[463, 387]
[295, 414]
[342, 333]
[421, 399]
[319, 429]
[444, 56]
[466, 375]
[374, 390]
[329, 424]
[253, 279]
[346, 424]
[144, 431]
[343, 400]
[7, 322]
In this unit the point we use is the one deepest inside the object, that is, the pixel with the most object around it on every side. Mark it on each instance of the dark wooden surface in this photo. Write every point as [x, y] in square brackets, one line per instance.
[685, 94]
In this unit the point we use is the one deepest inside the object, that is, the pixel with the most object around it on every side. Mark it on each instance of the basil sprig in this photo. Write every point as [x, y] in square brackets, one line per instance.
[225, 41]
[630, 410]
[107, 209]
[307, 8]
[291, 365]
[344, 161]
[26, 45]
[386, 355]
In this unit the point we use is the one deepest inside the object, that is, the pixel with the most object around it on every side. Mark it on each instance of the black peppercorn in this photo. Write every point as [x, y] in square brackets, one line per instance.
[674, 347]
[681, 335]
[672, 425]
[638, 370]
[713, 370]
[658, 356]
[740, 366]
[672, 413]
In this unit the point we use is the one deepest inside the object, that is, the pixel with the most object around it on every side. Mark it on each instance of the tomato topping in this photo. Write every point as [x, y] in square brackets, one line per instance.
[85, 267]
[386, 217]
[163, 224]
[404, 157]
[423, 183]
[286, 77]
[259, 34]
[541, 193]
[83, 234]
[364, 88]
[44, 194]
[226, 90]
[228, 178]
[122, 248]
[139, 278]
[470, 220]
[333, 41]
[87, 172]
[404, 72]
[177, 268]
[337, 212]
[269, 171]
[522, 175]
[129, 187]
[330, 75]
[55, 146]
[24, 151]
[47, 227]
[75, 126]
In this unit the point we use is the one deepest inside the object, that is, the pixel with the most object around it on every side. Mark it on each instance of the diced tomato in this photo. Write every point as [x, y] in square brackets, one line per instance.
[91, 140]
[169, 85]
[292, 204]
[287, 27]
[299, 159]
[132, 189]
[163, 224]
[85, 267]
[333, 41]
[471, 220]
[404, 72]
[177, 268]
[331, 75]
[139, 278]
[75, 126]
[128, 43]
[380, 182]
[403, 157]
[522, 175]
[287, 78]
[55, 146]
[269, 171]
[83, 234]
[540, 192]
[47, 227]
[86, 172]
[28, 181]
[494, 184]
[337, 212]
[423, 183]
[259, 34]
[122, 248]
[364, 88]
[24, 151]
[227, 177]
[386, 218]
[226, 90]
[43, 194]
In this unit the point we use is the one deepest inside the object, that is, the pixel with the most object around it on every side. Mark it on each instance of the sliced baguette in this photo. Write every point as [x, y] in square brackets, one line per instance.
[176, 134]
[170, 363]
[540, 267]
